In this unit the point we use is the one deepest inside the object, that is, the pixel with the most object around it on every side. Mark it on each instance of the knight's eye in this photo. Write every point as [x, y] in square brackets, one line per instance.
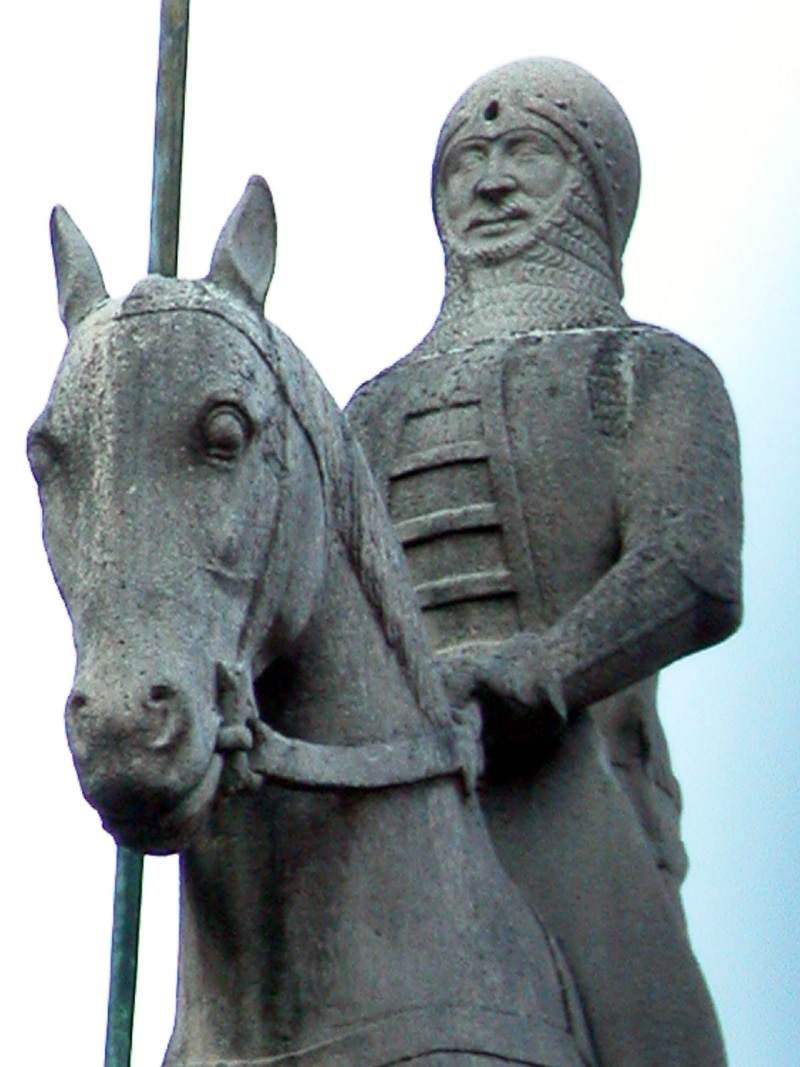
[226, 430]
[42, 456]
[532, 145]
[466, 158]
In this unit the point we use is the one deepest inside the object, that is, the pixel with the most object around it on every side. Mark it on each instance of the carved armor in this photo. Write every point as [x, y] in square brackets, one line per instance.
[445, 488]
[472, 450]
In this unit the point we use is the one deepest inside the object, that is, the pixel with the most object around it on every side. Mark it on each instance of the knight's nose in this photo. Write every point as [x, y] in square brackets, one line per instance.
[495, 187]
[156, 720]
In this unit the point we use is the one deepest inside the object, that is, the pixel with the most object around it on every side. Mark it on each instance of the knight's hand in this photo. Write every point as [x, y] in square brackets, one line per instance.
[518, 689]
[461, 671]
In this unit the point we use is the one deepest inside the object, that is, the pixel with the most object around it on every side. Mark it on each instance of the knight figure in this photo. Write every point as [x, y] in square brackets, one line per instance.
[565, 484]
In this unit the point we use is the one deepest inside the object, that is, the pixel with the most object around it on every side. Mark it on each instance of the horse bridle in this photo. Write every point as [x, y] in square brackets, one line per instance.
[255, 753]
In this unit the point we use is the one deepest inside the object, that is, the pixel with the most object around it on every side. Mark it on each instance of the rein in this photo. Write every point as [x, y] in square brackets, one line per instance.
[255, 753]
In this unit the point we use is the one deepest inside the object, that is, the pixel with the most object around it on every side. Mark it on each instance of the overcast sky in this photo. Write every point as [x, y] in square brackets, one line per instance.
[339, 106]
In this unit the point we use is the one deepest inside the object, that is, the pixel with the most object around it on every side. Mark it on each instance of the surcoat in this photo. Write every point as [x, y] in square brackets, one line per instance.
[472, 450]
[585, 483]
[581, 482]
[518, 472]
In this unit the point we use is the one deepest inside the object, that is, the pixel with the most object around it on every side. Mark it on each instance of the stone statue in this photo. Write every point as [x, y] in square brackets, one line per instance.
[254, 689]
[565, 484]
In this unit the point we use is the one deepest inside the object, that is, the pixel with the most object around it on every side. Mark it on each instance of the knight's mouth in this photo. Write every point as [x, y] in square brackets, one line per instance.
[496, 223]
[170, 830]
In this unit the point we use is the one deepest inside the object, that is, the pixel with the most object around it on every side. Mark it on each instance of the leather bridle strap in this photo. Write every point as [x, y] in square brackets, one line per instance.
[258, 753]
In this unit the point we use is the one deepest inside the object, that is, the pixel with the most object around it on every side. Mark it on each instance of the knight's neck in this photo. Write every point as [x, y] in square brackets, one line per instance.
[492, 301]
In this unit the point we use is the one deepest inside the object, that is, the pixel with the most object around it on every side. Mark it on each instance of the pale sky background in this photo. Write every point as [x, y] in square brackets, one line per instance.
[339, 106]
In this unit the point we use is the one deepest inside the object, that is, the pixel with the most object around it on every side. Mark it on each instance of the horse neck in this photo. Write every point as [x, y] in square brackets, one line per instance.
[303, 912]
[345, 681]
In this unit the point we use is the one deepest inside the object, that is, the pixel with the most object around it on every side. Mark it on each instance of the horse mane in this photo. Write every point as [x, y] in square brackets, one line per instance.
[358, 516]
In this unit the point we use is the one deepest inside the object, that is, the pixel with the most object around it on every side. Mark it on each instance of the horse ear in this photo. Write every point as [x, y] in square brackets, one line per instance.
[78, 278]
[244, 258]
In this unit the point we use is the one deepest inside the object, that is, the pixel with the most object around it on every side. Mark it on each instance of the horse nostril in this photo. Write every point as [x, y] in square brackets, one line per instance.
[168, 718]
[78, 723]
[77, 702]
[159, 694]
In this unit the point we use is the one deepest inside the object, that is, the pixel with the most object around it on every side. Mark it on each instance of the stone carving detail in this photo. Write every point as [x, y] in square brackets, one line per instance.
[565, 485]
[254, 688]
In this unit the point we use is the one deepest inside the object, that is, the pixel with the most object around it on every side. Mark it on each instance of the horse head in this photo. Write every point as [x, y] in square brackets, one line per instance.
[186, 556]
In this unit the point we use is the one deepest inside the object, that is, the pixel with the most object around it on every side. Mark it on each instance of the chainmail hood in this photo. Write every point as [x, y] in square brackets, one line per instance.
[579, 106]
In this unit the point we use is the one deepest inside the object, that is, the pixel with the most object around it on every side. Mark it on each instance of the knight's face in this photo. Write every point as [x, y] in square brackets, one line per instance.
[498, 189]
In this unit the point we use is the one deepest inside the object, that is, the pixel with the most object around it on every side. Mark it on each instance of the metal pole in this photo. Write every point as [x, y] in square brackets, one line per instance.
[163, 259]
[168, 145]
[124, 957]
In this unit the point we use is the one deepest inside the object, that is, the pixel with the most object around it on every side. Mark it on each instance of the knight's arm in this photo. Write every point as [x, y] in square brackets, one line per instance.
[676, 585]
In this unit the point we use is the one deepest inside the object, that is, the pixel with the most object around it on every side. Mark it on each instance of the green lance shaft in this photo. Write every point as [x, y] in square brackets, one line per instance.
[163, 259]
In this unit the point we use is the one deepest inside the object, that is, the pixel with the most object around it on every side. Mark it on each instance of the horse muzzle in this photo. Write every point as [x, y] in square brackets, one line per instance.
[145, 758]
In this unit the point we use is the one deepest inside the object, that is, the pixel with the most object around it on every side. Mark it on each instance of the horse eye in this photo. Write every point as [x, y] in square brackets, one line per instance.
[42, 456]
[226, 431]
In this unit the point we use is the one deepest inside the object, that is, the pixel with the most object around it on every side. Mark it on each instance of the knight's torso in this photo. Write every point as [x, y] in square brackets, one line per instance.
[502, 466]
[498, 466]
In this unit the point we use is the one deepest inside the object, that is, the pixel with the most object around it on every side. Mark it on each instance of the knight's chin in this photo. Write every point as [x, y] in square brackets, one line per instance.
[169, 830]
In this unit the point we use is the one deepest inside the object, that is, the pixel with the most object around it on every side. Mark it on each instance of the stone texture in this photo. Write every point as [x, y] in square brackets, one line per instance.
[565, 485]
[248, 647]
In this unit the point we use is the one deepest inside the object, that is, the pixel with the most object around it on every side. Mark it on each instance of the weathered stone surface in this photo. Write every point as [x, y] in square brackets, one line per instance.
[565, 484]
[254, 688]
